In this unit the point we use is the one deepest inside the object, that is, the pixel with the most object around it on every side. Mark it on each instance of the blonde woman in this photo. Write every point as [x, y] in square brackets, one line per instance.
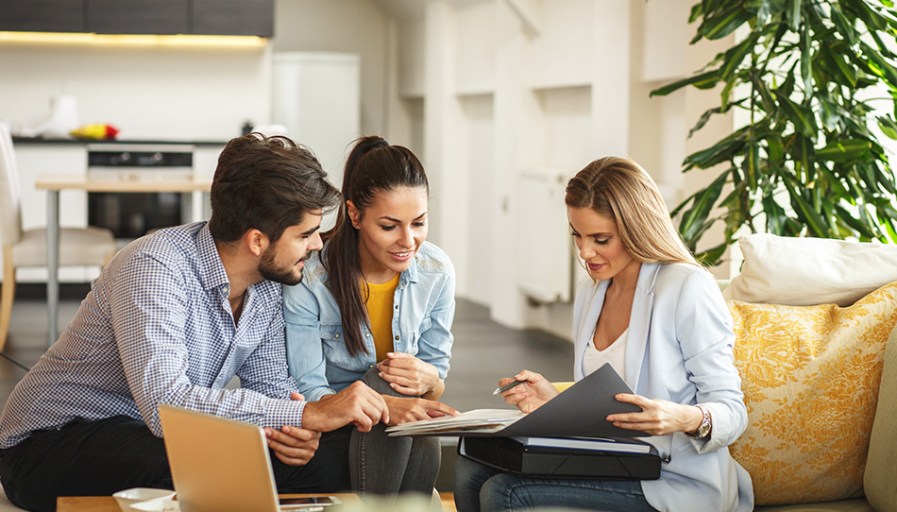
[660, 321]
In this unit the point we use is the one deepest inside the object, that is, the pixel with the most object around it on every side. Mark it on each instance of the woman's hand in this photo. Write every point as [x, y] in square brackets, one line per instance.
[409, 375]
[658, 417]
[403, 410]
[531, 395]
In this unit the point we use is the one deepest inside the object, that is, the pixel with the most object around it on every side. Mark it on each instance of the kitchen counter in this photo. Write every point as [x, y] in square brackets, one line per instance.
[61, 141]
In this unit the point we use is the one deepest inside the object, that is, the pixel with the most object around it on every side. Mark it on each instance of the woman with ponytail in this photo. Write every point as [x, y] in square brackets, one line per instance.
[377, 305]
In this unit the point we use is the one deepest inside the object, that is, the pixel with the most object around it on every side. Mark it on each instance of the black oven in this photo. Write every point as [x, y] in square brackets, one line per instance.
[130, 215]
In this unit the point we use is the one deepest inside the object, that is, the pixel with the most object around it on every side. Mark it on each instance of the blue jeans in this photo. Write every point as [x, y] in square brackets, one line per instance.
[379, 464]
[481, 488]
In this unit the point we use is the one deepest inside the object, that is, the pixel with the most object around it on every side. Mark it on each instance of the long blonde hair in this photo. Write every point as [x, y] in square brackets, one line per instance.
[620, 189]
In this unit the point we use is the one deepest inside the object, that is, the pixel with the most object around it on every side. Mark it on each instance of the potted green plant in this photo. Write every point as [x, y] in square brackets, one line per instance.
[817, 81]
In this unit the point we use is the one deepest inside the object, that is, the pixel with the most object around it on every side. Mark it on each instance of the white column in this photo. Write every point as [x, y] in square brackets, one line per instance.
[610, 78]
[515, 111]
[442, 119]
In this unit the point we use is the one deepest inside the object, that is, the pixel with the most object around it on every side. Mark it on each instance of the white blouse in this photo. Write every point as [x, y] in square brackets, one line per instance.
[614, 354]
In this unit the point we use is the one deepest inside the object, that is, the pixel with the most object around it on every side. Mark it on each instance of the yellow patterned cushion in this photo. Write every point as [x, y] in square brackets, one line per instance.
[810, 376]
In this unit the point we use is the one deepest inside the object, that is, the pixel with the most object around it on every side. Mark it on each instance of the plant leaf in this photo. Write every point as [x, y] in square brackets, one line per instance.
[879, 66]
[722, 151]
[837, 66]
[855, 224]
[805, 57]
[792, 15]
[717, 27]
[735, 56]
[694, 218]
[844, 150]
[804, 210]
[775, 215]
[711, 257]
[704, 80]
[888, 126]
[802, 118]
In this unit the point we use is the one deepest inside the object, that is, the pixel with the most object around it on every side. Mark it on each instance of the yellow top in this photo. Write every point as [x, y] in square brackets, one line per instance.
[379, 305]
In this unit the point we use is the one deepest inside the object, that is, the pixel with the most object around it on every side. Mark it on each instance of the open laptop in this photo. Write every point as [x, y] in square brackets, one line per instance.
[217, 464]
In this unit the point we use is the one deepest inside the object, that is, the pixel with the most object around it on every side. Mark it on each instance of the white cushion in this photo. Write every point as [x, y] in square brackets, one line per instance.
[807, 271]
[78, 246]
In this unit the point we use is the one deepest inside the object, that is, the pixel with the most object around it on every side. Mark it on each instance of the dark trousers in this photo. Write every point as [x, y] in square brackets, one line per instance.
[99, 458]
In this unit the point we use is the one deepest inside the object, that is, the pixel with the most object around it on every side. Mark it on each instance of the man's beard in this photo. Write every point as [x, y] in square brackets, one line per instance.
[270, 271]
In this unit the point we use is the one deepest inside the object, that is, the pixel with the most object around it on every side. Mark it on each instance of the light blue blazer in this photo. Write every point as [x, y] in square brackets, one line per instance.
[679, 348]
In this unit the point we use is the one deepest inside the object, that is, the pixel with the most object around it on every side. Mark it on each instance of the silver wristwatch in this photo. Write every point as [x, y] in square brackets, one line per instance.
[703, 431]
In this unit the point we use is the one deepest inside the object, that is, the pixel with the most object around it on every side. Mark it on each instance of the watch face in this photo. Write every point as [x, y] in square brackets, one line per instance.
[704, 429]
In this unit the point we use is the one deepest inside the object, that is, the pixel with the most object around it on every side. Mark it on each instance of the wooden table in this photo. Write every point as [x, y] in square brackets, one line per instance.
[108, 504]
[53, 184]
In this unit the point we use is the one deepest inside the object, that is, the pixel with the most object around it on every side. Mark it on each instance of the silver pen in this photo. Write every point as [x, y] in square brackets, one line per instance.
[506, 387]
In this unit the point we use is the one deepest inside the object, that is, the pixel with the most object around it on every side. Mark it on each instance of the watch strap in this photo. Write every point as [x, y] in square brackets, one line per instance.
[706, 425]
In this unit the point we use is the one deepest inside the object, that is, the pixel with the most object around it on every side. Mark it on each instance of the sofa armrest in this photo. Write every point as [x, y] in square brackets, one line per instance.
[880, 475]
[562, 386]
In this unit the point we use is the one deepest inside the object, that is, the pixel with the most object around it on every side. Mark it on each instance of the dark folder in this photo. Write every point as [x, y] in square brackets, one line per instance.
[509, 454]
[581, 411]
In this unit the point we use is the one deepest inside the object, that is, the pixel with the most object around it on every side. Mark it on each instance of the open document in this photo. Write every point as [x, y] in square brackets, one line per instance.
[580, 411]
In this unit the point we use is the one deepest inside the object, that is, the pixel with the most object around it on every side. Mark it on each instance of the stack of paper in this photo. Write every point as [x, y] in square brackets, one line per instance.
[477, 421]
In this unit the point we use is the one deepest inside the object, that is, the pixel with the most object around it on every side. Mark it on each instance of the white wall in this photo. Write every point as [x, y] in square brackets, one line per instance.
[163, 92]
[151, 92]
[538, 84]
[350, 26]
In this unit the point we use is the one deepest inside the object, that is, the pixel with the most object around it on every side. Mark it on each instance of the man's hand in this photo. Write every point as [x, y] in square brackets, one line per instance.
[293, 446]
[357, 404]
[403, 410]
[531, 395]
[409, 375]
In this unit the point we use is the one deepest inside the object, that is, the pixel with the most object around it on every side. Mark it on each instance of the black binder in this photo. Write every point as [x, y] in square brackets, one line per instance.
[509, 454]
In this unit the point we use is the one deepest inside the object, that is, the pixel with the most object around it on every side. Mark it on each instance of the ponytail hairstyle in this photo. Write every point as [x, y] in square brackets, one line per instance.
[620, 189]
[373, 166]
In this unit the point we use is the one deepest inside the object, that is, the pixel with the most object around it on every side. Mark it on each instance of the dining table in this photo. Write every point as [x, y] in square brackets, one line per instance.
[56, 183]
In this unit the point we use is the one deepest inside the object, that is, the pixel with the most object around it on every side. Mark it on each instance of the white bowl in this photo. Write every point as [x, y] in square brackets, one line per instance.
[129, 497]
[157, 505]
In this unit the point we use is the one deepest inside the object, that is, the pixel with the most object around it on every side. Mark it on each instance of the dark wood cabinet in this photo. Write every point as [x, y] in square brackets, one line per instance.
[165, 17]
[138, 16]
[233, 17]
[42, 15]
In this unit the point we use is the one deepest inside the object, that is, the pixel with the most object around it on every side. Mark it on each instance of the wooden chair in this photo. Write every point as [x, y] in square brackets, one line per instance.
[28, 248]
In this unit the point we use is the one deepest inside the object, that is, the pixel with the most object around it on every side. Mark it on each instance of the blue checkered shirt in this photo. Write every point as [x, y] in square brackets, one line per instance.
[157, 328]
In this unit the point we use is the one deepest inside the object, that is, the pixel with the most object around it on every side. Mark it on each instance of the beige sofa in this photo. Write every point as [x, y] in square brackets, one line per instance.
[880, 476]
[815, 320]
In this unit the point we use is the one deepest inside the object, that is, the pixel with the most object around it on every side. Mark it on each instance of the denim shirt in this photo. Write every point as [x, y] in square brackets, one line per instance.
[424, 307]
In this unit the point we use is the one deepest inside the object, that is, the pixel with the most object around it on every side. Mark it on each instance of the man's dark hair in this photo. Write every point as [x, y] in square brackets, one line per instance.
[266, 183]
